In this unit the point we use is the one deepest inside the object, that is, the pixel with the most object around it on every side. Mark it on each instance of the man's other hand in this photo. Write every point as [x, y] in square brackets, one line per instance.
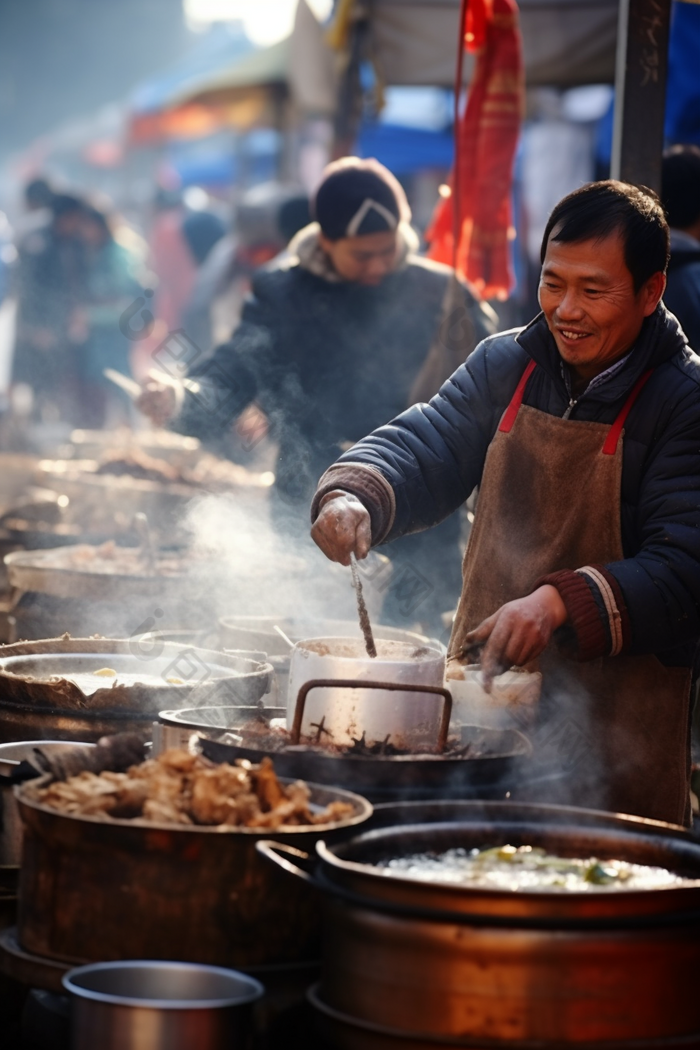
[342, 528]
[517, 633]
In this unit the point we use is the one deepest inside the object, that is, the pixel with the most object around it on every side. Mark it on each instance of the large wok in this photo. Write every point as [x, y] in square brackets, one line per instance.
[502, 758]
[49, 690]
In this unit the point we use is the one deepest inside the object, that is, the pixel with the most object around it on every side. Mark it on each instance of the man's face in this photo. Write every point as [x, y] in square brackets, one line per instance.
[588, 298]
[364, 260]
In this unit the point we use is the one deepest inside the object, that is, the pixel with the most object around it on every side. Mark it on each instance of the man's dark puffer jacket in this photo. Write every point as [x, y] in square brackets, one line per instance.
[432, 457]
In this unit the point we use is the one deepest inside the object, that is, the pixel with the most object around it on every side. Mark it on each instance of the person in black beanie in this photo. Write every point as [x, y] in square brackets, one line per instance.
[338, 336]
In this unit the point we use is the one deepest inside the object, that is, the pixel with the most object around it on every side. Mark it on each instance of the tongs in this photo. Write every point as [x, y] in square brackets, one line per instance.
[20, 771]
[129, 386]
[115, 753]
[473, 650]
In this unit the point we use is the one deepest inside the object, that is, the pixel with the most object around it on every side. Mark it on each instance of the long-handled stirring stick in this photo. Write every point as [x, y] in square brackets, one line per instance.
[283, 636]
[362, 609]
[130, 387]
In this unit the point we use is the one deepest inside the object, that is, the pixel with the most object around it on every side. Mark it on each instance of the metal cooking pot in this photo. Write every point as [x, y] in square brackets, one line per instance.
[10, 823]
[177, 728]
[94, 889]
[340, 715]
[429, 964]
[160, 1006]
[257, 632]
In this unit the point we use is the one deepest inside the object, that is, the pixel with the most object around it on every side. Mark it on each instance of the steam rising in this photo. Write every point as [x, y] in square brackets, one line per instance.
[249, 568]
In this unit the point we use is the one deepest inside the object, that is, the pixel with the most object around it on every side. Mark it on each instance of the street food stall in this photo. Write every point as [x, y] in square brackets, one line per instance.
[303, 797]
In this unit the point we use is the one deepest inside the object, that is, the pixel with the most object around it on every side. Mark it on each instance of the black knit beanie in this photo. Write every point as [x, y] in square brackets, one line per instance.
[358, 197]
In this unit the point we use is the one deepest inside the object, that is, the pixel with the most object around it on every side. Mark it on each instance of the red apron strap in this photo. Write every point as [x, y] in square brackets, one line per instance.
[611, 441]
[511, 413]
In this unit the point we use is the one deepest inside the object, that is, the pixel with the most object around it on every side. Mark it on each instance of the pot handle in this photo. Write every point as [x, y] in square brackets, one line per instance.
[270, 849]
[395, 687]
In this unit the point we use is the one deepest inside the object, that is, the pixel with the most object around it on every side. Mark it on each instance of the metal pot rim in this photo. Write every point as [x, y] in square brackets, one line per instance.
[255, 989]
[120, 647]
[427, 648]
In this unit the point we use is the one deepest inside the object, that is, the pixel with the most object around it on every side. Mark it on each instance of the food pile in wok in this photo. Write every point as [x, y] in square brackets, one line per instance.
[181, 788]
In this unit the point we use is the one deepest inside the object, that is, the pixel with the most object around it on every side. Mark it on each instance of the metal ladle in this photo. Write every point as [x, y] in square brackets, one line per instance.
[362, 613]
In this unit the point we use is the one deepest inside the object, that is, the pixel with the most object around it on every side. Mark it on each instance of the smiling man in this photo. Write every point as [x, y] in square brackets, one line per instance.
[582, 431]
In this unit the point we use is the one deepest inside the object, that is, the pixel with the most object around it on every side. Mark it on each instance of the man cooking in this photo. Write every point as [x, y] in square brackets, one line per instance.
[582, 431]
[333, 341]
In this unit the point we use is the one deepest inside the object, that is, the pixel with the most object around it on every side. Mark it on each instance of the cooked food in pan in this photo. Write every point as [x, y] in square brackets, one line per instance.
[110, 559]
[180, 788]
[138, 464]
[528, 868]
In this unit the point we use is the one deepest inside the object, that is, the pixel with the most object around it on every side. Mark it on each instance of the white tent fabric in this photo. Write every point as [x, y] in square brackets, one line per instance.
[565, 42]
[414, 42]
[313, 66]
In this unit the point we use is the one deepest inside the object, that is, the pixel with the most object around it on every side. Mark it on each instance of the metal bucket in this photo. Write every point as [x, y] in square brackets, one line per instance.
[407, 718]
[146, 1005]
[258, 632]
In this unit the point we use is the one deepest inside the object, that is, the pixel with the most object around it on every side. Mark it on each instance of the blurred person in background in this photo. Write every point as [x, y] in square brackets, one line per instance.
[50, 279]
[265, 220]
[8, 256]
[336, 336]
[171, 260]
[680, 195]
[114, 277]
[37, 195]
[181, 238]
[201, 230]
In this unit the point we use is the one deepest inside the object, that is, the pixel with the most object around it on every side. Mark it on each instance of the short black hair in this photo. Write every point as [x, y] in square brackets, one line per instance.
[680, 186]
[599, 209]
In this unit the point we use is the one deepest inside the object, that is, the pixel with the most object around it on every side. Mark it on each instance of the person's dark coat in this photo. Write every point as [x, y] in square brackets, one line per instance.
[682, 295]
[326, 360]
[432, 457]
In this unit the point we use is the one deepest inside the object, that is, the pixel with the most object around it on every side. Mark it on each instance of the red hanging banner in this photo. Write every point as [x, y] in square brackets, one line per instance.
[472, 226]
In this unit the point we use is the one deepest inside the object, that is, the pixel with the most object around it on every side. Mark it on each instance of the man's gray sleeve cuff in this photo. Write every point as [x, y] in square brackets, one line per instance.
[371, 488]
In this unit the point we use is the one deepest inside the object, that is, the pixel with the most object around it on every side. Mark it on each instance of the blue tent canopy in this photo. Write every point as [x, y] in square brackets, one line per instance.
[405, 150]
[683, 85]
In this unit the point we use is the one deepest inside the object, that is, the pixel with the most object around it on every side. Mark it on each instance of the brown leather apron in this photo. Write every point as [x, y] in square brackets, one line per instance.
[616, 728]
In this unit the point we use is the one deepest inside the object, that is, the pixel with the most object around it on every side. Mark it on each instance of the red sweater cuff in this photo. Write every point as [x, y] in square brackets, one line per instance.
[599, 620]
